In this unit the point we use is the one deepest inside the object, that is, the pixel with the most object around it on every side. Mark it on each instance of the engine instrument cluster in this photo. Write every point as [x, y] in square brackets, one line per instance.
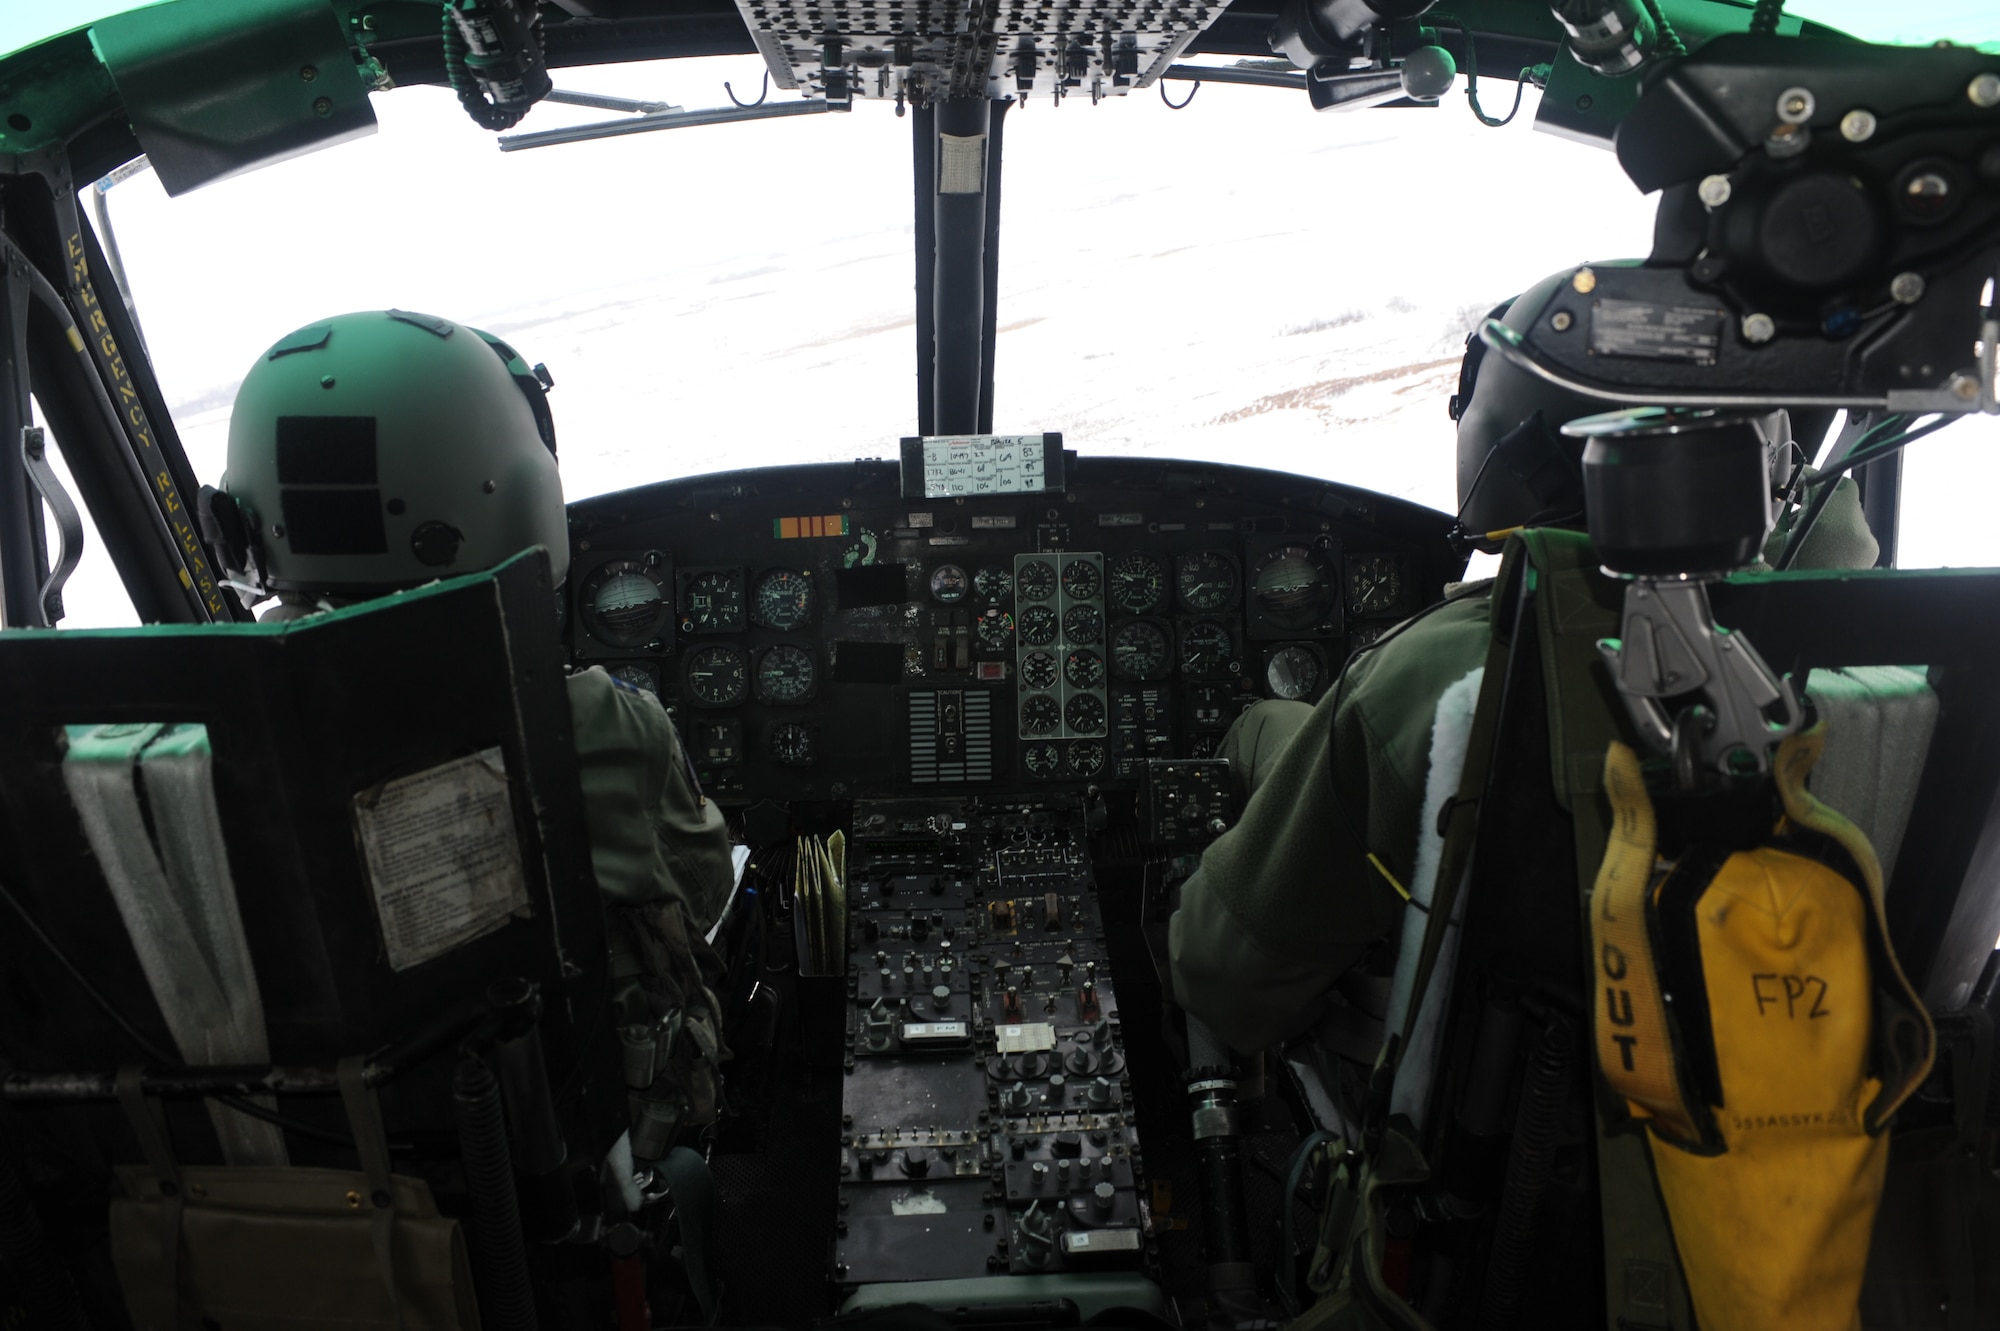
[819, 635]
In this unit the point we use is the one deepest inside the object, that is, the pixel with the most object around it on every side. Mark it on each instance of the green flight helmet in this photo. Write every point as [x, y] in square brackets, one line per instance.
[380, 450]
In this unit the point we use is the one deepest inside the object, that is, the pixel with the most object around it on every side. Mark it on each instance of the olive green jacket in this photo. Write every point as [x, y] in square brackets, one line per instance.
[1287, 900]
[652, 835]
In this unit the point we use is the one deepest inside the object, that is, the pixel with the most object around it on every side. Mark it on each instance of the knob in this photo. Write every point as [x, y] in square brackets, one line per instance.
[1216, 827]
[1099, 1093]
[1016, 1098]
[941, 997]
[1062, 1172]
[1038, 1174]
[1102, 1196]
[1057, 1085]
[916, 1162]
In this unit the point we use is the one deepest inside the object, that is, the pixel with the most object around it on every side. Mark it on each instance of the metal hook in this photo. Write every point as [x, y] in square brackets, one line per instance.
[760, 96]
[1182, 103]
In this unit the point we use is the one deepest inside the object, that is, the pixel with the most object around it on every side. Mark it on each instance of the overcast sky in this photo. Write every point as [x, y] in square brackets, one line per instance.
[1244, 280]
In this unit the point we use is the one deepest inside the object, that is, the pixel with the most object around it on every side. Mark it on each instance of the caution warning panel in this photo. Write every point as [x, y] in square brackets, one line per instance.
[442, 858]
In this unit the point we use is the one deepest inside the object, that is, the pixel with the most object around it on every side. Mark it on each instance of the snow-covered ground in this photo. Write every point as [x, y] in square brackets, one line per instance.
[1243, 280]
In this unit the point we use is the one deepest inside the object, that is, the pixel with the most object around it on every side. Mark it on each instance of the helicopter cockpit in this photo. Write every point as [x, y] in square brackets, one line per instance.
[964, 701]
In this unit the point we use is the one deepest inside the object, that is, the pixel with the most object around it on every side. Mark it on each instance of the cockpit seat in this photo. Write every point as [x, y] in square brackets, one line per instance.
[283, 871]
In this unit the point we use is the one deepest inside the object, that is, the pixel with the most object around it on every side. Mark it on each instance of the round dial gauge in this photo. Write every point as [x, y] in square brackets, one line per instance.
[638, 676]
[949, 584]
[1083, 623]
[1293, 672]
[1036, 581]
[1085, 713]
[785, 675]
[714, 600]
[1084, 669]
[995, 629]
[792, 745]
[784, 598]
[1292, 587]
[993, 583]
[1138, 583]
[717, 675]
[1080, 579]
[1041, 760]
[1038, 670]
[1206, 581]
[1040, 715]
[1374, 584]
[1361, 635]
[1086, 758]
[1140, 651]
[1203, 746]
[624, 603]
[1038, 625]
[1206, 648]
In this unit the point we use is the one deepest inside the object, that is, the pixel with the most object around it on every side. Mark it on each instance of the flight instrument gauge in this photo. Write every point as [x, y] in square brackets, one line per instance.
[1084, 669]
[1041, 760]
[1293, 672]
[949, 584]
[1374, 584]
[712, 601]
[625, 603]
[1140, 651]
[1038, 670]
[638, 676]
[1040, 715]
[718, 675]
[1292, 586]
[784, 598]
[1038, 625]
[993, 583]
[1083, 623]
[792, 745]
[1085, 714]
[1080, 580]
[995, 628]
[1138, 583]
[1206, 581]
[1206, 648]
[1086, 758]
[785, 675]
[1036, 581]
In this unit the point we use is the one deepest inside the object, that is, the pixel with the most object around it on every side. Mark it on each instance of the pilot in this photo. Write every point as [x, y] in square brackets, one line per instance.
[1288, 904]
[377, 451]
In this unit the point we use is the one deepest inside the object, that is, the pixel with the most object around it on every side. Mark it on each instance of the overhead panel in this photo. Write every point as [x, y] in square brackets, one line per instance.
[923, 51]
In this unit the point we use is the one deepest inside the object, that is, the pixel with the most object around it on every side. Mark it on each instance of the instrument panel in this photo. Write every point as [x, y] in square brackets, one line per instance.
[817, 635]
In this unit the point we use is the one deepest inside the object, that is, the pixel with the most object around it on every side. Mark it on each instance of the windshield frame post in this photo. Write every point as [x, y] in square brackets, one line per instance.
[958, 293]
[24, 555]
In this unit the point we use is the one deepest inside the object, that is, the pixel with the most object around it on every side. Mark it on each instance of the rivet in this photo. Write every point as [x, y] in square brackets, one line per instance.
[307, 73]
[1584, 282]
[323, 106]
[1858, 125]
[354, 1201]
[1759, 328]
[1984, 90]
[1714, 191]
[326, 381]
[1907, 288]
[1964, 387]
[488, 488]
[1795, 105]
[1562, 321]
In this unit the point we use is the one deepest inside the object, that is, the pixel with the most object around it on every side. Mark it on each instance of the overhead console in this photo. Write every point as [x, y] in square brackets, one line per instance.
[818, 634]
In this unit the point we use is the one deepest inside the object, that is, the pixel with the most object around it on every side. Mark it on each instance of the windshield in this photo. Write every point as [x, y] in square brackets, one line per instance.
[1241, 281]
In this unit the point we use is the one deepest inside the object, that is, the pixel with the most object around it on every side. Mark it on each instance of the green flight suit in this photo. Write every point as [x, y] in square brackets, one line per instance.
[661, 853]
[1287, 901]
[652, 835]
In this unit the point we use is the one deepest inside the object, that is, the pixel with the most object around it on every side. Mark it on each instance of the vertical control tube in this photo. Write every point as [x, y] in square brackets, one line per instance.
[500, 1259]
[541, 1160]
